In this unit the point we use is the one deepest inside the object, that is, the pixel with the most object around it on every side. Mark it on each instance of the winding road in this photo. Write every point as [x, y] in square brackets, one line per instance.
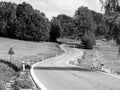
[56, 74]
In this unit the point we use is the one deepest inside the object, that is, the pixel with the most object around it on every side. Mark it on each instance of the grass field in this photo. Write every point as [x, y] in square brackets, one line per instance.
[24, 51]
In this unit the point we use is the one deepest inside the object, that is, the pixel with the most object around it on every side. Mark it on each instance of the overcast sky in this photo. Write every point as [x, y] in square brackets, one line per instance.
[54, 7]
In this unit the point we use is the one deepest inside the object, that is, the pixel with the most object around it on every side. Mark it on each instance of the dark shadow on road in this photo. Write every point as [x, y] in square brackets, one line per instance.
[62, 68]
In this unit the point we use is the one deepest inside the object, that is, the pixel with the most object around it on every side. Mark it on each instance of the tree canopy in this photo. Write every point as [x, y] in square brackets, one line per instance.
[112, 18]
[22, 21]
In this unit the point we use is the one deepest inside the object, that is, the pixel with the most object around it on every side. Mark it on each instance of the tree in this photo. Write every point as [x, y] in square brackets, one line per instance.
[31, 24]
[112, 14]
[54, 33]
[110, 6]
[67, 25]
[11, 52]
[7, 19]
[22, 21]
[100, 30]
[98, 17]
[84, 21]
[87, 41]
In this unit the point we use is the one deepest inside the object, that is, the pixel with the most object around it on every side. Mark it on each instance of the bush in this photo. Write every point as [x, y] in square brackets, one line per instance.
[100, 30]
[23, 82]
[87, 41]
[54, 33]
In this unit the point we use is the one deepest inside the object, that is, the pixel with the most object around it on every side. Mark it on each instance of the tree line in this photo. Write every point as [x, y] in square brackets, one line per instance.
[22, 21]
[86, 25]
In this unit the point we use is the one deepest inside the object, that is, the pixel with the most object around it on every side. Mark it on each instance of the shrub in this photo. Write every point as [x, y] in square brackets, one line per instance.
[100, 30]
[87, 41]
[23, 82]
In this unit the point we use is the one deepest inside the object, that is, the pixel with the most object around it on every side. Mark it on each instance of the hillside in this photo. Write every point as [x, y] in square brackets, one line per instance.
[24, 51]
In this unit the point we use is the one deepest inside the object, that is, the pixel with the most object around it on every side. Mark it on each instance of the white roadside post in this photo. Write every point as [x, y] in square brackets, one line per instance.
[102, 67]
[8, 86]
[23, 62]
[28, 62]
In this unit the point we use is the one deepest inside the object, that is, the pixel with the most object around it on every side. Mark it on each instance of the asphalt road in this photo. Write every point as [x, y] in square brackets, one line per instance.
[56, 74]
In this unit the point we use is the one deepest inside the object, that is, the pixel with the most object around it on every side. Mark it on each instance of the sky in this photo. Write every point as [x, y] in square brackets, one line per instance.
[54, 7]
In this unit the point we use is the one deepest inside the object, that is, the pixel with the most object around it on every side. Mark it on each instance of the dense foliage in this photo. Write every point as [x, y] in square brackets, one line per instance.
[85, 21]
[100, 30]
[112, 19]
[87, 41]
[23, 22]
[67, 25]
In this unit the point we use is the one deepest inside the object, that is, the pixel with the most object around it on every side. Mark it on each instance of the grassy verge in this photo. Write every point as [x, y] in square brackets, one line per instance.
[6, 73]
[23, 81]
[105, 53]
[111, 58]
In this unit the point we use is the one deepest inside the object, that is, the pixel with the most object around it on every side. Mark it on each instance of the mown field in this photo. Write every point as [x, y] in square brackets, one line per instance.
[24, 51]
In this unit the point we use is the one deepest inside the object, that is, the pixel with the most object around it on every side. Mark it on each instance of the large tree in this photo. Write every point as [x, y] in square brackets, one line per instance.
[22, 21]
[112, 18]
[32, 24]
[84, 21]
[55, 31]
[67, 25]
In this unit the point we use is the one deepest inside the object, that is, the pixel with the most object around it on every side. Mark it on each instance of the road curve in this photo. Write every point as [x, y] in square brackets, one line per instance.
[56, 74]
